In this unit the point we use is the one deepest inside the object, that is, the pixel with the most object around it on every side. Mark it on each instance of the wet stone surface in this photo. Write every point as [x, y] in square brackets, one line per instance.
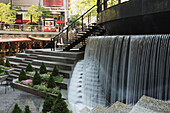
[8, 100]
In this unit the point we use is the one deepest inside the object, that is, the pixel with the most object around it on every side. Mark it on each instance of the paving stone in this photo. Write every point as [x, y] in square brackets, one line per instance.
[150, 105]
[119, 107]
[9, 99]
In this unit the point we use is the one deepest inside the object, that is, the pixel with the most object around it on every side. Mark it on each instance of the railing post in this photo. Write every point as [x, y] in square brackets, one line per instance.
[31, 22]
[67, 34]
[105, 4]
[82, 23]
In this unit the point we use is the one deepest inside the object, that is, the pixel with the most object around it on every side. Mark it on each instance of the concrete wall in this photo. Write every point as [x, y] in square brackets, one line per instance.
[137, 17]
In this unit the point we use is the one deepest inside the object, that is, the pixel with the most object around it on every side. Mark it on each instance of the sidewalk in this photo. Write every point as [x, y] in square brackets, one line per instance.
[8, 100]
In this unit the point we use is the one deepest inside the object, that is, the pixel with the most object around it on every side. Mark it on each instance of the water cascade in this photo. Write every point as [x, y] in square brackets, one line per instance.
[123, 68]
[75, 88]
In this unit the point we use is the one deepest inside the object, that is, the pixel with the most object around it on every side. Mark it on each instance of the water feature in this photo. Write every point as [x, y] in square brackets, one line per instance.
[123, 68]
[75, 88]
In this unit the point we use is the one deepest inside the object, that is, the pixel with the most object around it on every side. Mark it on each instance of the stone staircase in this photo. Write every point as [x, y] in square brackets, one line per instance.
[65, 62]
[144, 105]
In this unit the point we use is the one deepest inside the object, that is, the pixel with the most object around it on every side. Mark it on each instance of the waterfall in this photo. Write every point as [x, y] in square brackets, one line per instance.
[123, 68]
[75, 88]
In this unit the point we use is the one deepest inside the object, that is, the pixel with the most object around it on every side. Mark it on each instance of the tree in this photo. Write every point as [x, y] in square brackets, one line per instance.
[1, 70]
[48, 103]
[81, 6]
[29, 67]
[55, 71]
[74, 18]
[2, 61]
[35, 12]
[59, 106]
[7, 64]
[43, 69]
[45, 12]
[7, 15]
[27, 109]
[16, 109]
[22, 75]
[37, 79]
[51, 83]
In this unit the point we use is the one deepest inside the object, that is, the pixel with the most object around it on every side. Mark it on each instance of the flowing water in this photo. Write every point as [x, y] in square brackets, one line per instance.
[123, 68]
[75, 88]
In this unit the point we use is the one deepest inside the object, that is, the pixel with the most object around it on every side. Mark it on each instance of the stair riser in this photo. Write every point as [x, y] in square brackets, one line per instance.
[68, 68]
[22, 55]
[16, 73]
[56, 60]
[56, 54]
[14, 60]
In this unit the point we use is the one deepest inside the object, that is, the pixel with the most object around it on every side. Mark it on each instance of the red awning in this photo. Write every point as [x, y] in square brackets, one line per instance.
[60, 21]
[14, 39]
[40, 38]
[19, 21]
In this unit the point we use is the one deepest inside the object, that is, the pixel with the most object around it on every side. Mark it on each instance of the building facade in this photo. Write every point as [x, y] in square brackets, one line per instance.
[57, 9]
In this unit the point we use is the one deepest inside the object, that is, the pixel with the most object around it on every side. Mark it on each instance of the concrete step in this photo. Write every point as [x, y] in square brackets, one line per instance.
[119, 107]
[22, 55]
[16, 72]
[61, 66]
[14, 64]
[63, 84]
[15, 59]
[150, 105]
[59, 53]
[13, 76]
[98, 109]
[56, 59]
[25, 55]
[64, 94]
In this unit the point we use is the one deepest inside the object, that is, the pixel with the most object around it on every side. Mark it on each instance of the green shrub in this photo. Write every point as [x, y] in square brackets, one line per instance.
[2, 61]
[41, 88]
[48, 103]
[55, 71]
[59, 105]
[51, 83]
[7, 64]
[37, 79]
[27, 109]
[59, 78]
[43, 69]
[29, 68]
[16, 109]
[22, 75]
[1, 70]
[3, 73]
[35, 86]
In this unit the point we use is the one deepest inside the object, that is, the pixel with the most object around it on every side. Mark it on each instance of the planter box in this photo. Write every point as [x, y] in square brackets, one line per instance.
[31, 90]
[60, 84]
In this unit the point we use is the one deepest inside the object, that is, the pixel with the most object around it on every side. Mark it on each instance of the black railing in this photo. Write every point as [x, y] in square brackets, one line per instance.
[79, 25]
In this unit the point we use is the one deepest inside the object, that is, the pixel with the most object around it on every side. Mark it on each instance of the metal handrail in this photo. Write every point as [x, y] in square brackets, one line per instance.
[75, 21]
[81, 17]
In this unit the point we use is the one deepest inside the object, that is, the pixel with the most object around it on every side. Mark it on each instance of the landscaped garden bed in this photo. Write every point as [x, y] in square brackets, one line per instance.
[36, 90]
[5, 67]
[39, 84]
